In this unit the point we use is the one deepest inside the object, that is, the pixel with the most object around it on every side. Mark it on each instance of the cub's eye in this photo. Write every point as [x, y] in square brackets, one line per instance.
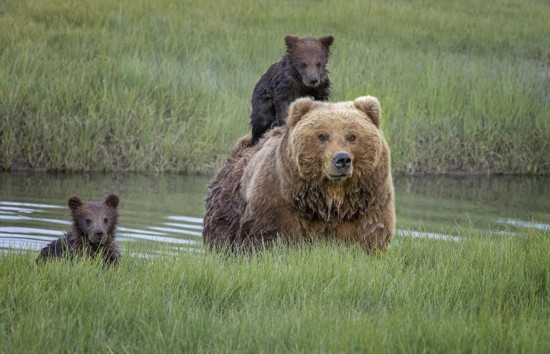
[88, 221]
[105, 220]
[323, 137]
[303, 65]
[351, 137]
[318, 65]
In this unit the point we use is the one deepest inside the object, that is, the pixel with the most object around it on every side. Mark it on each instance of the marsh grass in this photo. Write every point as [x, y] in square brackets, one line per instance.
[165, 86]
[483, 294]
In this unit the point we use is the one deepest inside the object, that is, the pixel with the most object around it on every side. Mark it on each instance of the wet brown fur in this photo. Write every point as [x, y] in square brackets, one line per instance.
[93, 230]
[301, 72]
[287, 186]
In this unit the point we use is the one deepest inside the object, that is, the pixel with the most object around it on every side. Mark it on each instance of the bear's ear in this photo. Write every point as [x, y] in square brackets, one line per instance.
[298, 109]
[290, 41]
[74, 203]
[326, 41]
[370, 106]
[112, 201]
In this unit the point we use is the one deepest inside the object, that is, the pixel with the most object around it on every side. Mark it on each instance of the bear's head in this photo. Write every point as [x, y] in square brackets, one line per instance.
[95, 221]
[336, 142]
[308, 57]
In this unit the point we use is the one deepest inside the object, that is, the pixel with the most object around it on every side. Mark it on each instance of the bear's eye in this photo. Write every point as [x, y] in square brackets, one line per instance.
[105, 220]
[88, 221]
[322, 137]
[351, 137]
[303, 65]
[318, 64]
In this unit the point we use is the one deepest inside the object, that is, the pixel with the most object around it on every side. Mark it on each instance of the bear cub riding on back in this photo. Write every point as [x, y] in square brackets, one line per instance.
[301, 72]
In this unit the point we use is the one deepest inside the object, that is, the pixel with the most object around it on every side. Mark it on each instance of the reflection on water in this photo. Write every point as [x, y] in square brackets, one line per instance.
[491, 205]
[27, 237]
[519, 223]
[158, 209]
[428, 235]
[168, 209]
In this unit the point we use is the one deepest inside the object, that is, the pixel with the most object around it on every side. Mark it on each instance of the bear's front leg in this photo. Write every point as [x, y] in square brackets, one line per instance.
[255, 235]
[281, 112]
[262, 118]
[112, 255]
[376, 236]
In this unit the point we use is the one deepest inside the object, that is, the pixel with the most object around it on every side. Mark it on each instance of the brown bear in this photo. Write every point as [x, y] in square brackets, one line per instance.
[301, 72]
[93, 231]
[325, 173]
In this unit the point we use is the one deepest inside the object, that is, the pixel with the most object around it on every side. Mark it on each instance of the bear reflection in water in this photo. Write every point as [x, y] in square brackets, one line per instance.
[326, 172]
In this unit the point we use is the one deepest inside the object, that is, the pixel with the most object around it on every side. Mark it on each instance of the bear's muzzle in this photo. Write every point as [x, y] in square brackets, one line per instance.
[342, 166]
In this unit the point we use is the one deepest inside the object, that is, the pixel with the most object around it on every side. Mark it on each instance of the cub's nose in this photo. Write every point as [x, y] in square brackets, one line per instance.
[98, 233]
[313, 82]
[342, 161]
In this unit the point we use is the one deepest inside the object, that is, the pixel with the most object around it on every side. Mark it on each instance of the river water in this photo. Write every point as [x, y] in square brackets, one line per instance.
[168, 209]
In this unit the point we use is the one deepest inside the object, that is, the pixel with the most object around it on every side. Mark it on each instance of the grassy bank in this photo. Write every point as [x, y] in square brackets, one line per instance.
[165, 85]
[483, 294]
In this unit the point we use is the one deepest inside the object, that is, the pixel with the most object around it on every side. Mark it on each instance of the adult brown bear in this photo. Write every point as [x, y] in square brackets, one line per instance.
[327, 172]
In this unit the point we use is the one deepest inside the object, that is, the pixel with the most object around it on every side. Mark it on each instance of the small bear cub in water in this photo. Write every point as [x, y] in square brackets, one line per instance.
[92, 231]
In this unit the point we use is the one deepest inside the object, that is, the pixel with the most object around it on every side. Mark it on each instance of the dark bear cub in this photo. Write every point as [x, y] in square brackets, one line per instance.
[92, 231]
[301, 72]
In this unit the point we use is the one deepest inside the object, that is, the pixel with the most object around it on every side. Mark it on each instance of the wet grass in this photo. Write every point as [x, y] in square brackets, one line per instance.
[483, 294]
[165, 85]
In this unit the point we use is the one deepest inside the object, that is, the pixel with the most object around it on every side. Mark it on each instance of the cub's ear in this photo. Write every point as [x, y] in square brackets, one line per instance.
[370, 106]
[74, 203]
[291, 41]
[326, 41]
[112, 201]
[298, 109]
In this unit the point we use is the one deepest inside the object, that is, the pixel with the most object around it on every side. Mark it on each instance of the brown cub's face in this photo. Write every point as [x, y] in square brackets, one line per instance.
[334, 141]
[309, 57]
[95, 221]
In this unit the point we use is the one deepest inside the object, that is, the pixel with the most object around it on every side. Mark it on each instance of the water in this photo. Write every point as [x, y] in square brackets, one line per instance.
[158, 209]
[168, 209]
[448, 208]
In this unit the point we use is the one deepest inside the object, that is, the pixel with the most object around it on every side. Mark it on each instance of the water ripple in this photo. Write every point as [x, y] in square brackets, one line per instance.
[29, 237]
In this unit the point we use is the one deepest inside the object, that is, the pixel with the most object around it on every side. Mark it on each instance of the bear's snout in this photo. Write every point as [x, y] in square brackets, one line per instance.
[341, 166]
[313, 82]
[342, 161]
[97, 235]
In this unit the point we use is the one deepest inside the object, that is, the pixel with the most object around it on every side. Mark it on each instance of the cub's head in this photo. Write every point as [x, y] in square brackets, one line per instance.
[336, 142]
[95, 221]
[308, 57]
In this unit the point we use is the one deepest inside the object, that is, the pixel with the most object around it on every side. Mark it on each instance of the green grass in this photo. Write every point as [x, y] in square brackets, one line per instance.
[165, 85]
[483, 294]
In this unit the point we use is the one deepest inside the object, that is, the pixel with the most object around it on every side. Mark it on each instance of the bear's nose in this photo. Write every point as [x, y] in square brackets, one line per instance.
[342, 161]
[99, 233]
[313, 82]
